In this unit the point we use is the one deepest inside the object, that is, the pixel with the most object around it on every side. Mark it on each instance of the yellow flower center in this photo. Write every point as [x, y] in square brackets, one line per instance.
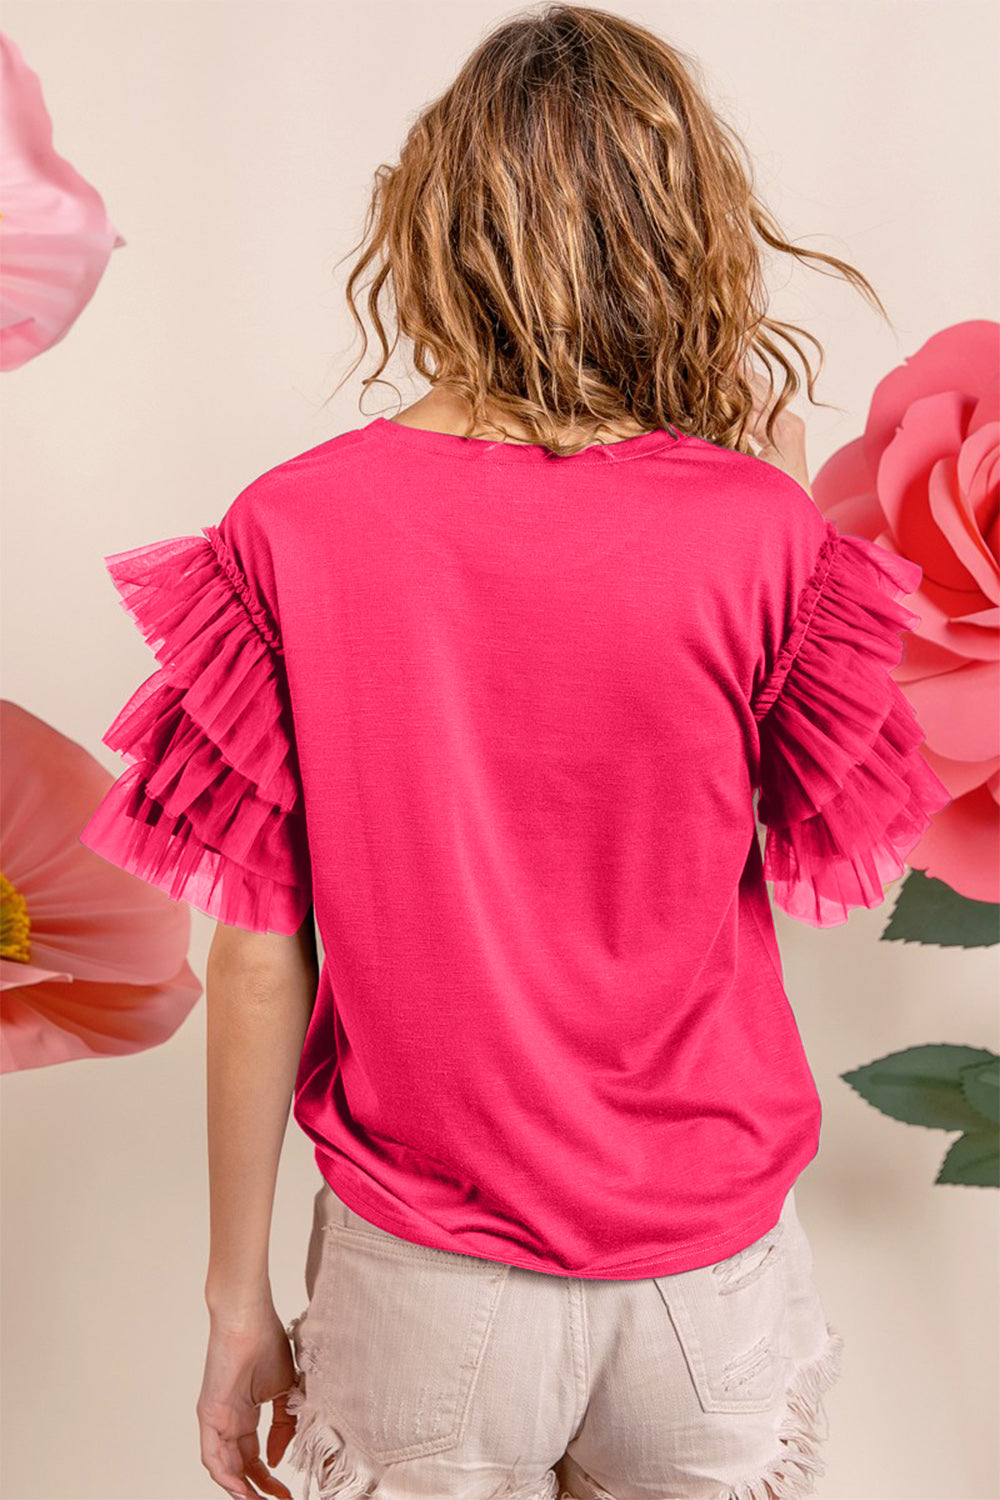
[15, 924]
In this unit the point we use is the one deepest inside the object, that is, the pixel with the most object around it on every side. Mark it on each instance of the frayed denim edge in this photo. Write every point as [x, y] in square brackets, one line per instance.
[795, 1472]
[320, 1452]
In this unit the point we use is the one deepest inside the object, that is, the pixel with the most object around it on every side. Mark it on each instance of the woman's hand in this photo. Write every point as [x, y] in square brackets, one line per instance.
[788, 449]
[246, 1365]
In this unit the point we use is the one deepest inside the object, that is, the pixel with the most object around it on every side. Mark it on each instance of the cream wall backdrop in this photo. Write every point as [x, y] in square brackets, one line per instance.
[234, 144]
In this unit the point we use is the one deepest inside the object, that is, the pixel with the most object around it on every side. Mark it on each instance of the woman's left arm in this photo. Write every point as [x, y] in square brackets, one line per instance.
[260, 989]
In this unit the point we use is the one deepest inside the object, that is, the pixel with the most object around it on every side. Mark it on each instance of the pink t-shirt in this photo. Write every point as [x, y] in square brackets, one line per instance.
[499, 718]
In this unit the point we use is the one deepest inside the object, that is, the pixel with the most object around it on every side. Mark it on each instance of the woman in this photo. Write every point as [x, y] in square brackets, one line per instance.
[488, 688]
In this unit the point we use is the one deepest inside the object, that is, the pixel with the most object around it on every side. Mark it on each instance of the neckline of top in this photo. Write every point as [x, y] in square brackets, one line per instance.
[453, 445]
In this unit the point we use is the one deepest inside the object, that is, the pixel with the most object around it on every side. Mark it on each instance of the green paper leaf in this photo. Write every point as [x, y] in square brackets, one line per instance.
[981, 1086]
[973, 1161]
[926, 1086]
[929, 911]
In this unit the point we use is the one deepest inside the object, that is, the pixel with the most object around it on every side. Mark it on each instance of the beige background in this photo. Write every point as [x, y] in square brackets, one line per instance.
[234, 145]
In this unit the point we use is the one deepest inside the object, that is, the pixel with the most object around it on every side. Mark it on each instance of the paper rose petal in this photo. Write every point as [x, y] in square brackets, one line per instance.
[924, 481]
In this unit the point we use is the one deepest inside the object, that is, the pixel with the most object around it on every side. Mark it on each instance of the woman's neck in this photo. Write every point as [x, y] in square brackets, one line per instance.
[443, 411]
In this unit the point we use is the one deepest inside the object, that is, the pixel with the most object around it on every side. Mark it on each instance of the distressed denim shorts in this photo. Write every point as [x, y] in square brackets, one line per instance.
[423, 1372]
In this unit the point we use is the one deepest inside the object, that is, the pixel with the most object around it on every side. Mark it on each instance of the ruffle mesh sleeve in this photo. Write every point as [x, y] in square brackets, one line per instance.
[210, 810]
[844, 792]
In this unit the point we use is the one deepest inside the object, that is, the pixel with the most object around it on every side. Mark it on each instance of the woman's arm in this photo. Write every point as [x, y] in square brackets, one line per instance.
[260, 989]
[260, 992]
[788, 450]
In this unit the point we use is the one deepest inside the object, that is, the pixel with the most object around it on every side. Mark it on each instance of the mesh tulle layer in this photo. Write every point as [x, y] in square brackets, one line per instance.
[845, 793]
[210, 810]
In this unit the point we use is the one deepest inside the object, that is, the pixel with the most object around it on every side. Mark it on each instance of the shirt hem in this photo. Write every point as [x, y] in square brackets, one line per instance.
[690, 1258]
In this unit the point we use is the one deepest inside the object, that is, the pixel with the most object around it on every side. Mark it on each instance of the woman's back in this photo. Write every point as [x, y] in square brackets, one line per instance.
[521, 703]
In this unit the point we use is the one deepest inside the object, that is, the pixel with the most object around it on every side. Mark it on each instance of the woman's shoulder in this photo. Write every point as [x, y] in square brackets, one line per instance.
[767, 514]
[273, 499]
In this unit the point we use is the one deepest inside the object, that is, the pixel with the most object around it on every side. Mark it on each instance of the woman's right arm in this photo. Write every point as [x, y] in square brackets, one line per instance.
[788, 449]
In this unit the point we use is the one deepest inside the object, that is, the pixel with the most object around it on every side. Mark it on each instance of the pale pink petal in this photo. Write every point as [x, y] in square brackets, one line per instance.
[55, 234]
[123, 943]
[45, 1024]
[16, 975]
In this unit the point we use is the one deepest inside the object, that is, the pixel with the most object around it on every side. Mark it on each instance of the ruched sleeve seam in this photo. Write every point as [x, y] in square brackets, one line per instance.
[262, 621]
[809, 597]
[846, 793]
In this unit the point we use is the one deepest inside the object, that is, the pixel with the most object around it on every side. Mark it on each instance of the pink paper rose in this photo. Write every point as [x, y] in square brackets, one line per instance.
[923, 482]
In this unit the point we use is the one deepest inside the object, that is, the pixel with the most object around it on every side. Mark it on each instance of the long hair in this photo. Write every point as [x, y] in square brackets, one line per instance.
[571, 237]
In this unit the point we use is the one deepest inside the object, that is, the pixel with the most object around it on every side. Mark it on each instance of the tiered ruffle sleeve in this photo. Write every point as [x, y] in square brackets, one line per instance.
[845, 793]
[210, 810]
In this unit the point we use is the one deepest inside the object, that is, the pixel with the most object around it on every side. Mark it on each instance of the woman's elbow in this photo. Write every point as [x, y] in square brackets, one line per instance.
[263, 957]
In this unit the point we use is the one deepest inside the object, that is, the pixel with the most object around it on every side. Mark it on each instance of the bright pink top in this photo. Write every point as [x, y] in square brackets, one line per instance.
[500, 716]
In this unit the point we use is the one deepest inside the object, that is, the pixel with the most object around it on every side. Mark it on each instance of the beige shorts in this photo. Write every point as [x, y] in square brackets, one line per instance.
[422, 1372]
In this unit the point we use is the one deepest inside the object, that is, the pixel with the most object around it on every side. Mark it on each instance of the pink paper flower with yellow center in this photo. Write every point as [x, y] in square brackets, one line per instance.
[93, 962]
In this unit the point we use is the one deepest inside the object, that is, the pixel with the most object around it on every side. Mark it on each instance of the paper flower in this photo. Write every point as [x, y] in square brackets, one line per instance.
[92, 961]
[55, 236]
[923, 482]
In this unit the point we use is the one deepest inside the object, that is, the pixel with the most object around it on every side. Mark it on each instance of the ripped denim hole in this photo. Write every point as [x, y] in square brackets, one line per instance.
[745, 1366]
[794, 1472]
[739, 1271]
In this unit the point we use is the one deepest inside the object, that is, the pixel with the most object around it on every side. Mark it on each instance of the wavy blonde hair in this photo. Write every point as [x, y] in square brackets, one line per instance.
[571, 237]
